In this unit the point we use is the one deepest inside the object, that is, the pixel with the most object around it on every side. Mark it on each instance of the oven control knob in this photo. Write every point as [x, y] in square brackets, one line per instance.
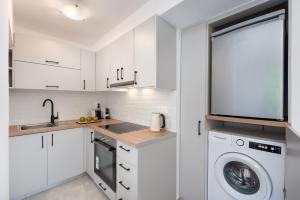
[240, 142]
[103, 139]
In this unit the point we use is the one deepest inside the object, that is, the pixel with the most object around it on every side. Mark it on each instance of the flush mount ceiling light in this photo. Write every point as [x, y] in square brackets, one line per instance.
[75, 11]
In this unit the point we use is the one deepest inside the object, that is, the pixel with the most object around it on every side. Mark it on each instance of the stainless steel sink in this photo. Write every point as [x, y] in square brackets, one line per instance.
[36, 126]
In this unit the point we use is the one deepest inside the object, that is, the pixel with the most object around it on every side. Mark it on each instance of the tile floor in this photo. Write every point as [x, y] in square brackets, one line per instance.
[82, 188]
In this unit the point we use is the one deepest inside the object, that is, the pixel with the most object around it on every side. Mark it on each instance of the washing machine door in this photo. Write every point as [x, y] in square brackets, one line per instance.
[242, 177]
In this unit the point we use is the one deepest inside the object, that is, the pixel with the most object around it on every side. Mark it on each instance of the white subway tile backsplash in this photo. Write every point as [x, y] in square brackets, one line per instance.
[135, 105]
[26, 106]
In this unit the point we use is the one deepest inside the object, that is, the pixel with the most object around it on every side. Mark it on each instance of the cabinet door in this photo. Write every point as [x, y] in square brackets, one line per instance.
[87, 70]
[43, 51]
[65, 155]
[144, 54]
[193, 73]
[122, 58]
[28, 164]
[35, 76]
[103, 64]
[90, 152]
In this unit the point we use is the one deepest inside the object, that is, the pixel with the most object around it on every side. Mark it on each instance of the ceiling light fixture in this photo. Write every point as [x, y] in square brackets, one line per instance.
[75, 12]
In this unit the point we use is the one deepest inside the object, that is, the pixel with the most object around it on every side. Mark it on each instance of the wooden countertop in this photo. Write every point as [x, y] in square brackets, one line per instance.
[135, 138]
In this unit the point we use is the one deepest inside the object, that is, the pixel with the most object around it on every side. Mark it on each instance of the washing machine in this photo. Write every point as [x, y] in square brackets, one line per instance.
[246, 165]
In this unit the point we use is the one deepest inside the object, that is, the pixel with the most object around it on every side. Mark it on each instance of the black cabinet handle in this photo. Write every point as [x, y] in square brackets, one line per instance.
[107, 79]
[51, 139]
[121, 165]
[84, 84]
[121, 147]
[118, 74]
[199, 127]
[92, 141]
[42, 142]
[103, 188]
[120, 199]
[52, 86]
[135, 73]
[121, 183]
[50, 61]
[122, 73]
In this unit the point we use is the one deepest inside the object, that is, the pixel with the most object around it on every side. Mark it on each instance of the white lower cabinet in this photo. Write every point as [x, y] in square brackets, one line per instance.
[27, 164]
[89, 142]
[147, 172]
[40, 161]
[65, 155]
[105, 188]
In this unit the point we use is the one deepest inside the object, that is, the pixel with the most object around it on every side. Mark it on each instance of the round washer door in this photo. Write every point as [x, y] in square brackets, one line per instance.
[242, 177]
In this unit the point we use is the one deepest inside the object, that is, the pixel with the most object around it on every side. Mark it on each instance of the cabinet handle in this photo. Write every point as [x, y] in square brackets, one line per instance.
[92, 141]
[121, 199]
[121, 147]
[52, 86]
[118, 74]
[84, 84]
[50, 61]
[199, 127]
[42, 141]
[121, 165]
[107, 79]
[135, 73]
[121, 183]
[52, 140]
[122, 73]
[103, 188]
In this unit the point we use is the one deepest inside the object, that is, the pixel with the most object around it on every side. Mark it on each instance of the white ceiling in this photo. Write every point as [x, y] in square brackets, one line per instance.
[44, 17]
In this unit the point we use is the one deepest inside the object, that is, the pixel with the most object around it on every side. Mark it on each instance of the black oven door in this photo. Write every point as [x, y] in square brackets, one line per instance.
[105, 163]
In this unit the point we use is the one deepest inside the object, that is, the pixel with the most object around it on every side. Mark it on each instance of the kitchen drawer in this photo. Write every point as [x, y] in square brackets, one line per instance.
[126, 190]
[127, 153]
[105, 188]
[126, 171]
[125, 196]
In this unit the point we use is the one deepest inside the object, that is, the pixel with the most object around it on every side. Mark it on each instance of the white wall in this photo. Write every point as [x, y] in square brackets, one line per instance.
[136, 106]
[25, 107]
[294, 63]
[4, 183]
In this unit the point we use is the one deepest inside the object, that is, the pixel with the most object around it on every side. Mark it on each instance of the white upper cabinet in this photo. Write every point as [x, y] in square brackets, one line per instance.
[36, 76]
[65, 155]
[34, 49]
[122, 58]
[87, 70]
[155, 54]
[28, 164]
[103, 63]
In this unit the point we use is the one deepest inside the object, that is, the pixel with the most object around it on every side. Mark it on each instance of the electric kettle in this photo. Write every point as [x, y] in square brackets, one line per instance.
[158, 121]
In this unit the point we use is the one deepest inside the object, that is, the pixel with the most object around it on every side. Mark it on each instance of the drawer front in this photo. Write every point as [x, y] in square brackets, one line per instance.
[127, 153]
[105, 188]
[126, 171]
[125, 196]
[126, 189]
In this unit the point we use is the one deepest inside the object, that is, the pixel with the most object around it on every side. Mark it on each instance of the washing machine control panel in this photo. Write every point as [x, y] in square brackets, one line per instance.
[265, 147]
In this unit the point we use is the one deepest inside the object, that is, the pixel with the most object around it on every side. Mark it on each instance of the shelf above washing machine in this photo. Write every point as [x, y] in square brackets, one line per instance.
[273, 123]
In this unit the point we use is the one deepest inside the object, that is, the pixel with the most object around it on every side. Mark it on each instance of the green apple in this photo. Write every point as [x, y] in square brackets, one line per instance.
[94, 119]
[88, 119]
[82, 119]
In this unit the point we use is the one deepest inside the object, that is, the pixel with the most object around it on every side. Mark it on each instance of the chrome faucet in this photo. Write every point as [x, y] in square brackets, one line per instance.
[53, 118]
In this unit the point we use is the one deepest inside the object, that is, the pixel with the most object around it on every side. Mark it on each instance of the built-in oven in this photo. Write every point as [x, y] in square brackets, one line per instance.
[105, 159]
